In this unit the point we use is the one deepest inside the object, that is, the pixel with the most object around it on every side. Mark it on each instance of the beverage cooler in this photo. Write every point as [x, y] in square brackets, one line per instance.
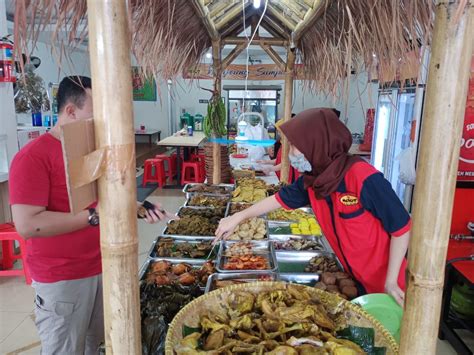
[397, 122]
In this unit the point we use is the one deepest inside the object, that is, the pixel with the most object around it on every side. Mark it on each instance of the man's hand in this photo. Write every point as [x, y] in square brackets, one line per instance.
[157, 213]
[396, 292]
[267, 170]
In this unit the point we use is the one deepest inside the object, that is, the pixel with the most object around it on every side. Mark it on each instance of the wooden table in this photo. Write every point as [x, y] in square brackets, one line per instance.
[193, 141]
[150, 133]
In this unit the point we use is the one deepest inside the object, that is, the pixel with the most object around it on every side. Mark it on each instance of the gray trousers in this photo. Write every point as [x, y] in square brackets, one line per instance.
[70, 316]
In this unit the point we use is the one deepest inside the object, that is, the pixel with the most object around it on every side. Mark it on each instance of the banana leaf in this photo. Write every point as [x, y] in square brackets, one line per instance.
[364, 337]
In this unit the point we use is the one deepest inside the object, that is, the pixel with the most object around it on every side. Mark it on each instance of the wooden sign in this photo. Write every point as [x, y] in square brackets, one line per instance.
[238, 72]
[466, 156]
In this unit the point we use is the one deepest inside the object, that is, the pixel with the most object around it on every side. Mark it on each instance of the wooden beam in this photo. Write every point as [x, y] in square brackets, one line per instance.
[269, 41]
[273, 55]
[441, 132]
[110, 42]
[219, 6]
[216, 148]
[285, 20]
[269, 21]
[229, 15]
[233, 29]
[289, 76]
[232, 55]
[318, 7]
[294, 7]
[203, 13]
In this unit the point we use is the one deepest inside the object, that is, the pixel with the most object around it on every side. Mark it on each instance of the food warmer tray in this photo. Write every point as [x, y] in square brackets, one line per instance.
[226, 209]
[308, 210]
[302, 279]
[281, 238]
[152, 254]
[295, 262]
[196, 264]
[264, 248]
[221, 197]
[228, 190]
[241, 276]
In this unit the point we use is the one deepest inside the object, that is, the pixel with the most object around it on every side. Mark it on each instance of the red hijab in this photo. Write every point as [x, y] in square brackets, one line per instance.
[325, 141]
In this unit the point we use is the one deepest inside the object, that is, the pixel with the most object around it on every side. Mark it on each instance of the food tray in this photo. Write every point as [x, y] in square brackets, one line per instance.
[241, 276]
[264, 248]
[265, 236]
[226, 209]
[229, 206]
[228, 188]
[302, 279]
[308, 210]
[276, 224]
[285, 237]
[153, 252]
[188, 237]
[295, 262]
[221, 197]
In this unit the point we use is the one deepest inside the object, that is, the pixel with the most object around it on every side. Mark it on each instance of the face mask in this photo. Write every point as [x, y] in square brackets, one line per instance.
[300, 163]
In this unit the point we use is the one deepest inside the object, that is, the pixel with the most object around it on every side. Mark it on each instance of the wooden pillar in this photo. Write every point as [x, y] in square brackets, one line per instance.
[436, 176]
[113, 122]
[285, 163]
[216, 148]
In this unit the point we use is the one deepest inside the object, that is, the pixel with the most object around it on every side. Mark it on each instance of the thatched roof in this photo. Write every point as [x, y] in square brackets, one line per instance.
[330, 36]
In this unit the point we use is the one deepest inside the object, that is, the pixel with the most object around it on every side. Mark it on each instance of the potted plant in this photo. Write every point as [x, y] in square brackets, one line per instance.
[31, 96]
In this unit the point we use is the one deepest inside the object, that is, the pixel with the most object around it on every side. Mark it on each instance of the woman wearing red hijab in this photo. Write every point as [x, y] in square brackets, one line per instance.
[359, 213]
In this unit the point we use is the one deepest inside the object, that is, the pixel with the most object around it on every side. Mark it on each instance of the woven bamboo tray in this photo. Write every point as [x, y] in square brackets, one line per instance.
[214, 300]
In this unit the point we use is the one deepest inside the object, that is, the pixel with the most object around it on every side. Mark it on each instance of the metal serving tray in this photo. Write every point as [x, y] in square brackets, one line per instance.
[187, 237]
[241, 276]
[276, 224]
[201, 209]
[281, 238]
[221, 197]
[308, 210]
[227, 187]
[264, 248]
[295, 262]
[153, 252]
[265, 237]
[302, 279]
[236, 203]
[196, 264]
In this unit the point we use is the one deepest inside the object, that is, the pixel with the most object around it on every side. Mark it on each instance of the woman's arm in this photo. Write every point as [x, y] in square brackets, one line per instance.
[398, 249]
[227, 225]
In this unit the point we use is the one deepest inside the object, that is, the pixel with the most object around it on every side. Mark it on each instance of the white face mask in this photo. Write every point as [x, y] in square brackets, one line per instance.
[300, 163]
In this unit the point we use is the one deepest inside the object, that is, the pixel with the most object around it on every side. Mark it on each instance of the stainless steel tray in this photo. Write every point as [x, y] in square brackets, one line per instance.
[187, 237]
[221, 197]
[259, 247]
[281, 238]
[196, 264]
[286, 224]
[227, 187]
[236, 203]
[265, 237]
[241, 276]
[201, 209]
[302, 279]
[153, 252]
[295, 262]
[308, 210]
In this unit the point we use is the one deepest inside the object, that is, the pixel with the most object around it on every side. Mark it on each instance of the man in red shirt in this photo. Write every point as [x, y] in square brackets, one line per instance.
[63, 250]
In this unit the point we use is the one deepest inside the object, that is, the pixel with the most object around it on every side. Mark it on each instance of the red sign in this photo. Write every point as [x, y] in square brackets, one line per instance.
[239, 72]
[466, 156]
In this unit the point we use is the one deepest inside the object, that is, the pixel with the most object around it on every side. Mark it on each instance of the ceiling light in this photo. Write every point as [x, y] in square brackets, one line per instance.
[256, 3]
[208, 55]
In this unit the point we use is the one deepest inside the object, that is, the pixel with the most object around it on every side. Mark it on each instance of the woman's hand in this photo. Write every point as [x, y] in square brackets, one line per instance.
[226, 227]
[264, 162]
[396, 292]
[157, 214]
[267, 170]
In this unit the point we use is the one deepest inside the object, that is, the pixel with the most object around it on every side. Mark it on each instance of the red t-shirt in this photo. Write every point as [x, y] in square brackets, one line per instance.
[37, 178]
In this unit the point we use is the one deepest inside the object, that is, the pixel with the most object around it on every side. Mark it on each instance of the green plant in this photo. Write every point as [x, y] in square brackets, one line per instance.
[215, 120]
[30, 93]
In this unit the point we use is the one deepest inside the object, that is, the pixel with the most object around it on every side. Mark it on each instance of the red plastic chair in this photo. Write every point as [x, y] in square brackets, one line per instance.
[154, 172]
[8, 236]
[171, 164]
[191, 173]
[201, 159]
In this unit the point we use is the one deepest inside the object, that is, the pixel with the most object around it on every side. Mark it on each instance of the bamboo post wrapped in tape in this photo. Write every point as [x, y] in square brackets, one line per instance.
[436, 175]
[216, 149]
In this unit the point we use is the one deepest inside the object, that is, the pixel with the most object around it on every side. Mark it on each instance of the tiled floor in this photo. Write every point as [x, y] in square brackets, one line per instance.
[18, 334]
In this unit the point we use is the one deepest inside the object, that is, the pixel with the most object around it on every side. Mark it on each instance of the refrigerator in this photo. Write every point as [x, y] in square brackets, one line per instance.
[397, 124]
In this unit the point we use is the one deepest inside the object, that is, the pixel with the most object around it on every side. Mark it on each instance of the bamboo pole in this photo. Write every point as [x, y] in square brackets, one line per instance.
[216, 148]
[113, 121]
[273, 55]
[269, 41]
[318, 7]
[436, 176]
[285, 164]
[203, 13]
[233, 55]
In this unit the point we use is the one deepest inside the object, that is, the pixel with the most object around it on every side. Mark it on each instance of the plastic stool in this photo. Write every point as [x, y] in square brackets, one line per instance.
[154, 171]
[195, 177]
[201, 159]
[171, 161]
[8, 235]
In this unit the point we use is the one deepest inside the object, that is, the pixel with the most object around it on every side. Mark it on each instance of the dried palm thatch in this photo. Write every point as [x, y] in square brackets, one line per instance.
[167, 35]
[353, 33]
